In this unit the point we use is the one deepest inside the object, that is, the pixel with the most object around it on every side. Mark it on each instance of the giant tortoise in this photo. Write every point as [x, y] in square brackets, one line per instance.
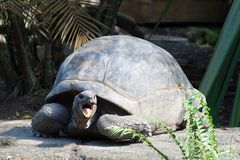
[112, 81]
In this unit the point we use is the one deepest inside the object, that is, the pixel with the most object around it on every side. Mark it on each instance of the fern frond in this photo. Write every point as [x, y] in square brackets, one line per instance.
[199, 127]
[200, 141]
[168, 129]
[116, 130]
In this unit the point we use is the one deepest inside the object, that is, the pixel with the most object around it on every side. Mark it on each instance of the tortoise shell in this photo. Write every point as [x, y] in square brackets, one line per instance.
[131, 73]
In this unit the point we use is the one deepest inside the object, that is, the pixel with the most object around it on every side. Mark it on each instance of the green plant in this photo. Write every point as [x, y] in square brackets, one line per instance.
[70, 21]
[235, 118]
[201, 35]
[32, 30]
[135, 135]
[216, 80]
[12, 16]
[200, 141]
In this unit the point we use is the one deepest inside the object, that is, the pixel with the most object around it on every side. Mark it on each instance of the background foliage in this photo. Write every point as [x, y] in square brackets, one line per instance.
[31, 33]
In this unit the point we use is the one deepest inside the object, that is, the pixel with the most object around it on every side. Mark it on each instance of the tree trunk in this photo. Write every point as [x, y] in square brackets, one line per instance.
[107, 13]
[7, 73]
[47, 65]
[129, 24]
[21, 54]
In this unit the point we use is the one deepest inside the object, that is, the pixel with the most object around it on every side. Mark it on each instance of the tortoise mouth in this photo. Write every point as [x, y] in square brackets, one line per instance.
[88, 109]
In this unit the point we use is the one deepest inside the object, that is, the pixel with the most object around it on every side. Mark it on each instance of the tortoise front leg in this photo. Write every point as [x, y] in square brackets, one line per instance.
[74, 131]
[50, 120]
[129, 121]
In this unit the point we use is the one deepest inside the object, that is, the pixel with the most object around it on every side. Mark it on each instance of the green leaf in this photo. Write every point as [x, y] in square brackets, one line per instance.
[219, 72]
[26, 116]
[71, 23]
[17, 114]
[235, 117]
[116, 130]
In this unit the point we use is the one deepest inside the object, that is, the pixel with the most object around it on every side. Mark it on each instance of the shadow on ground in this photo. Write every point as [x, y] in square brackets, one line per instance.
[25, 133]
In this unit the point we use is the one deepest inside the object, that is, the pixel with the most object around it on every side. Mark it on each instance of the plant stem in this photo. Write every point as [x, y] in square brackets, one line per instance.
[166, 9]
[149, 143]
[28, 76]
[107, 13]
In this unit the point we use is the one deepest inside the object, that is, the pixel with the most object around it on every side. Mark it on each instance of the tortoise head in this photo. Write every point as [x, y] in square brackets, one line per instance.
[84, 109]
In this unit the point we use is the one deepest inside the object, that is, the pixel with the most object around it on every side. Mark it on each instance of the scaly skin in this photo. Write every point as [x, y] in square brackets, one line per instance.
[54, 118]
[50, 120]
[130, 121]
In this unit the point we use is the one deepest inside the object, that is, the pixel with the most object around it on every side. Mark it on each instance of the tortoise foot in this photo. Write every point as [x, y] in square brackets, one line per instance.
[130, 122]
[50, 120]
[44, 135]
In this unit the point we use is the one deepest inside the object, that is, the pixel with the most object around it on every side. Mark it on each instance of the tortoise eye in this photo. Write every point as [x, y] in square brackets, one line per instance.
[81, 96]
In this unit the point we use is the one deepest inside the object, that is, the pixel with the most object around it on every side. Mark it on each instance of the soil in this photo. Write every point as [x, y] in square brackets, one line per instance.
[24, 107]
[18, 143]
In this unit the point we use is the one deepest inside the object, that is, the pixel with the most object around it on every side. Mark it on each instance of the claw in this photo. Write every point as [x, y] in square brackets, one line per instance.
[147, 132]
[35, 133]
[39, 134]
[136, 140]
[44, 135]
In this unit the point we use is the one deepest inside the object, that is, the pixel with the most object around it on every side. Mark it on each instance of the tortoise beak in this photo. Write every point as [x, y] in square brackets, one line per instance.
[88, 110]
[83, 112]
[84, 109]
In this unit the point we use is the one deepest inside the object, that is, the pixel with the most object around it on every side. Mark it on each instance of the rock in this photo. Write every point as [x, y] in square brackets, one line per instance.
[18, 143]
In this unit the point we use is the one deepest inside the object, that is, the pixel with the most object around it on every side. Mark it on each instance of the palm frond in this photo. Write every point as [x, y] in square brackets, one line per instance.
[69, 21]
[18, 7]
[2, 39]
[2, 6]
[22, 8]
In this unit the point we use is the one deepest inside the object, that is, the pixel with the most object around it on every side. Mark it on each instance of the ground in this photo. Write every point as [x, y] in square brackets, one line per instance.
[23, 107]
[17, 143]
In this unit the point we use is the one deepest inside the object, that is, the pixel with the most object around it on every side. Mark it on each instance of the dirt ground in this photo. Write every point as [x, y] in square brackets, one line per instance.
[12, 108]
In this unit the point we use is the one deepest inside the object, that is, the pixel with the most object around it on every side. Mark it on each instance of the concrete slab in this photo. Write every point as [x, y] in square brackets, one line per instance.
[18, 143]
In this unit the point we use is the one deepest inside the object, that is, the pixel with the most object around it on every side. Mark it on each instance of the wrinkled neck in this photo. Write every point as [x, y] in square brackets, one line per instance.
[92, 120]
[79, 117]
